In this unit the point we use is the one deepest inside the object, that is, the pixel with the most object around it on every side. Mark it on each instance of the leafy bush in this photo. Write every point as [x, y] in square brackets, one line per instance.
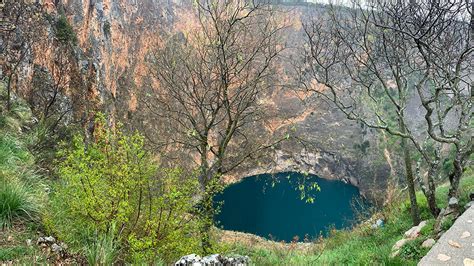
[105, 179]
[112, 181]
[171, 229]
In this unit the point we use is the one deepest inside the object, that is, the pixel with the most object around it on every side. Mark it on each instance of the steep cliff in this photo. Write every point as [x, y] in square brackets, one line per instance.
[114, 38]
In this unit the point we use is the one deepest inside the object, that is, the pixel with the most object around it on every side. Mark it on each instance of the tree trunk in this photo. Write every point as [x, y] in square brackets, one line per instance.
[456, 174]
[415, 213]
[207, 218]
[431, 192]
[9, 89]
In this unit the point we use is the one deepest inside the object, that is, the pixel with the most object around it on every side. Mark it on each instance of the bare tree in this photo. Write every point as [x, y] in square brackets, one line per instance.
[374, 59]
[211, 84]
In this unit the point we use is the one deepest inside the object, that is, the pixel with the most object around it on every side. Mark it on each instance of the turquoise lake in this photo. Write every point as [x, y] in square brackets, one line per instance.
[270, 206]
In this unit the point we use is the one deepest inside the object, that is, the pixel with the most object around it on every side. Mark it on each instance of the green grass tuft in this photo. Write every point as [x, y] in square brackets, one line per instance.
[104, 250]
[17, 202]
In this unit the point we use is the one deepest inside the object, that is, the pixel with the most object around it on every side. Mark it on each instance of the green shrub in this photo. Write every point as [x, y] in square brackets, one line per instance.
[106, 29]
[411, 250]
[112, 181]
[427, 230]
[17, 202]
[64, 31]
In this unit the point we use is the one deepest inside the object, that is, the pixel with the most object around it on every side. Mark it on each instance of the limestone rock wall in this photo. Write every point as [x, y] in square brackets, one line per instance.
[114, 38]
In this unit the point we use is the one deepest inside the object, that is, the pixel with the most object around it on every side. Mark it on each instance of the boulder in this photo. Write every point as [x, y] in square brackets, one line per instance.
[414, 232]
[428, 243]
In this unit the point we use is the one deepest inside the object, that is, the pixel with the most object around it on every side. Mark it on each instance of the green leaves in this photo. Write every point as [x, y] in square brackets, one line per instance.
[112, 180]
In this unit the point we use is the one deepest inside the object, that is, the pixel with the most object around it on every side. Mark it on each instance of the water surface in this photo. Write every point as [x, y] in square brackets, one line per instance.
[277, 211]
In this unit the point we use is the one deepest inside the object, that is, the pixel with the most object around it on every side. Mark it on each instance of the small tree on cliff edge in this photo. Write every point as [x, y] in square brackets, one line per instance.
[374, 59]
[210, 87]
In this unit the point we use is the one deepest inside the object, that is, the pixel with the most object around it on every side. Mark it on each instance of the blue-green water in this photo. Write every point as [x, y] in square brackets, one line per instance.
[277, 212]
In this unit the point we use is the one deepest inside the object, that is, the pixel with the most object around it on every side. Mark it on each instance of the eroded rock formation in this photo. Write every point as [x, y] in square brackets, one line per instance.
[114, 38]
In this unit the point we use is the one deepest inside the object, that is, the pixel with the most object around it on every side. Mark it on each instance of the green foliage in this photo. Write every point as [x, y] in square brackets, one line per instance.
[427, 230]
[64, 31]
[11, 253]
[17, 202]
[106, 29]
[13, 155]
[171, 229]
[105, 178]
[412, 250]
[103, 250]
[112, 181]
[20, 188]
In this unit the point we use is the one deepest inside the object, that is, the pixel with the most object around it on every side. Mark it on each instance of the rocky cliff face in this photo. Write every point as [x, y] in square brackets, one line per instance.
[114, 38]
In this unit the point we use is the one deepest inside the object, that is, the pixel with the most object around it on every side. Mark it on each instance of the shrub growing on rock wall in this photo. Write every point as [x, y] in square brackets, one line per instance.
[64, 31]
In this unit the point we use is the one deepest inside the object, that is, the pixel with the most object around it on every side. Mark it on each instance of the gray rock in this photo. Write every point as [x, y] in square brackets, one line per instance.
[46, 240]
[56, 248]
[236, 260]
[428, 243]
[453, 202]
[191, 259]
[394, 253]
[214, 259]
[28, 242]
